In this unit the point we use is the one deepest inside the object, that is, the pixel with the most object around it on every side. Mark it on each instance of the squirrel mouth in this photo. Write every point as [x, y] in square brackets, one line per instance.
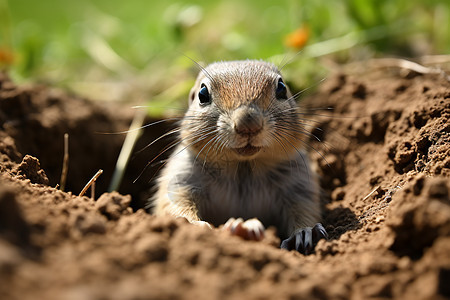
[247, 150]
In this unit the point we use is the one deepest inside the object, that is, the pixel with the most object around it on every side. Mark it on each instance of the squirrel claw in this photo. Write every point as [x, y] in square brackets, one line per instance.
[305, 239]
[251, 229]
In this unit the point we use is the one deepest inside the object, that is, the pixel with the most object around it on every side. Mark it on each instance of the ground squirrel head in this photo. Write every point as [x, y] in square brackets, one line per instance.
[242, 110]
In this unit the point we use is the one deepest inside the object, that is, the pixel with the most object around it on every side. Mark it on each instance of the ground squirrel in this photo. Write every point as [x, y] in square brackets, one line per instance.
[240, 160]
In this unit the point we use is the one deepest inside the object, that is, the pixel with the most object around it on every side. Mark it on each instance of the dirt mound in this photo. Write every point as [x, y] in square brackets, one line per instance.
[385, 167]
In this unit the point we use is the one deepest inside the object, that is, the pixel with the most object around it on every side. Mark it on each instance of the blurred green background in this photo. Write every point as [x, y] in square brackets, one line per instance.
[136, 50]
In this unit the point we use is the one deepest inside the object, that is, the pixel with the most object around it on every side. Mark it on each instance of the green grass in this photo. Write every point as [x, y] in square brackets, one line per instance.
[136, 50]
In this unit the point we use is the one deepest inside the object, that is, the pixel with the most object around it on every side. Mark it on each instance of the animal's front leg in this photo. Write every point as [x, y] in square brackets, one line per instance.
[304, 239]
[251, 229]
[179, 205]
[190, 213]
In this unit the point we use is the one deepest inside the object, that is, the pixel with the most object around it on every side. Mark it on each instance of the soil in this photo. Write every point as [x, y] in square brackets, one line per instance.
[384, 162]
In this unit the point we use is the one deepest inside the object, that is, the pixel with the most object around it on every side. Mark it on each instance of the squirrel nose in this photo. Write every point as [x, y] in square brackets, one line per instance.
[248, 124]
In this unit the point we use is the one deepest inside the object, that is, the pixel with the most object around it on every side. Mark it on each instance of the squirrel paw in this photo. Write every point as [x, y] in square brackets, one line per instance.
[202, 224]
[305, 239]
[251, 229]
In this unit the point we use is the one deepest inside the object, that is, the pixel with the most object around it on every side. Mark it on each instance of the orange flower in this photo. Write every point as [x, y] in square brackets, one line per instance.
[6, 56]
[298, 38]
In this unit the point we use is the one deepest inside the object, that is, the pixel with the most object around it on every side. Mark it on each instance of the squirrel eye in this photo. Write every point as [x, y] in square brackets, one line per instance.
[281, 91]
[203, 95]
